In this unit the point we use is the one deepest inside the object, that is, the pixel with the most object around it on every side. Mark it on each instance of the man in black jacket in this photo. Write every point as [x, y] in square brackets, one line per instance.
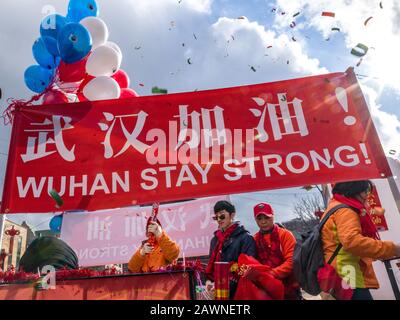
[229, 241]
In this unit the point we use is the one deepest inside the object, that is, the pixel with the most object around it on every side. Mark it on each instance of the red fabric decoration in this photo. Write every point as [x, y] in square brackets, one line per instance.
[15, 105]
[367, 225]
[257, 282]
[330, 282]
[12, 276]
[216, 254]
[54, 97]
[180, 266]
[270, 255]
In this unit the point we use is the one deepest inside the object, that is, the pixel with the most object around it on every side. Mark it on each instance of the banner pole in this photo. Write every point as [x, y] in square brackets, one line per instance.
[2, 223]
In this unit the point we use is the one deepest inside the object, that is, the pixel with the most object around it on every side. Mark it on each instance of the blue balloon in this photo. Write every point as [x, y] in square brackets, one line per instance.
[38, 78]
[74, 42]
[79, 9]
[52, 25]
[42, 55]
[51, 45]
[56, 223]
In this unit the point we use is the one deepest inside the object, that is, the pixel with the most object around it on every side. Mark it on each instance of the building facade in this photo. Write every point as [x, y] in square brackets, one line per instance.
[13, 245]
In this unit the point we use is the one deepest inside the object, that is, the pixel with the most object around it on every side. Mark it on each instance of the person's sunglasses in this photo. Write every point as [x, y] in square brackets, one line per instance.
[219, 217]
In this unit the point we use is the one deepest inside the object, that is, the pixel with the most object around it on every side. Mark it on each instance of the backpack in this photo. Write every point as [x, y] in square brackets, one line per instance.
[309, 256]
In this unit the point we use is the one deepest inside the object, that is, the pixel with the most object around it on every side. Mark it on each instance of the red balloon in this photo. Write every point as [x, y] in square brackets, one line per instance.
[122, 78]
[128, 93]
[55, 97]
[73, 72]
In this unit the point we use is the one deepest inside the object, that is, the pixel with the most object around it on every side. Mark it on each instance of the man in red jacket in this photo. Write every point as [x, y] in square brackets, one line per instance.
[275, 248]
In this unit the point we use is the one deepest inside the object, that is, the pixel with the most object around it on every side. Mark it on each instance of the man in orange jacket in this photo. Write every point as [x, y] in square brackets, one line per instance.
[275, 248]
[157, 251]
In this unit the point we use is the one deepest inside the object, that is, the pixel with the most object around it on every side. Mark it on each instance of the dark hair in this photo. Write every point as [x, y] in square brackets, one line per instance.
[48, 251]
[352, 188]
[224, 205]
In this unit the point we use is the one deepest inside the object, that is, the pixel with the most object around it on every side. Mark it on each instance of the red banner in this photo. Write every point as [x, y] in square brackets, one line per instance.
[377, 212]
[117, 153]
[163, 286]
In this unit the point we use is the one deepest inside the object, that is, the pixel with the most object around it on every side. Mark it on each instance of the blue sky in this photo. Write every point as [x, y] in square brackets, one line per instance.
[162, 59]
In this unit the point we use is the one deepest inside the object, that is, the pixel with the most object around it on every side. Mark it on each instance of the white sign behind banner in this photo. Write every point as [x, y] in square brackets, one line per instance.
[112, 236]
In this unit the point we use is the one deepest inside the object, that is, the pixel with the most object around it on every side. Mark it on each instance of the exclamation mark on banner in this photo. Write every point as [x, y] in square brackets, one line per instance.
[365, 153]
[341, 96]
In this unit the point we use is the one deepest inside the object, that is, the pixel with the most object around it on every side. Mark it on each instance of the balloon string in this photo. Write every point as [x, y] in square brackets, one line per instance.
[15, 105]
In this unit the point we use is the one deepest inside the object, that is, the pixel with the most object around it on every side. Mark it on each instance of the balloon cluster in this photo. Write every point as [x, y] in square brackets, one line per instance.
[75, 59]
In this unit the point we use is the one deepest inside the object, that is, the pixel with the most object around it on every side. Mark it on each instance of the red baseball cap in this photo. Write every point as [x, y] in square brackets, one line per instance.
[263, 208]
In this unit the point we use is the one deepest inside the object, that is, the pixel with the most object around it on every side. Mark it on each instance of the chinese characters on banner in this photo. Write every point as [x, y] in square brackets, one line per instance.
[116, 153]
[112, 236]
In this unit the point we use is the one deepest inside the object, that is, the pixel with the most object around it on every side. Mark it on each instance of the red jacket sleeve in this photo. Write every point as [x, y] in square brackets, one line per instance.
[288, 243]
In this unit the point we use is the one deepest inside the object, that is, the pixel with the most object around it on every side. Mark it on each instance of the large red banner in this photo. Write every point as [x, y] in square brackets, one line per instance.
[117, 153]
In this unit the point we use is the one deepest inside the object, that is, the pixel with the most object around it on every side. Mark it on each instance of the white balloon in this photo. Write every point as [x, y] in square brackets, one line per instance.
[97, 29]
[115, 47]
[103, 61]
[102, 88]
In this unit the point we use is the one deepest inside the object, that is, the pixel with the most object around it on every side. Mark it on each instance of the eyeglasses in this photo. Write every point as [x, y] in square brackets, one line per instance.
[219, 217]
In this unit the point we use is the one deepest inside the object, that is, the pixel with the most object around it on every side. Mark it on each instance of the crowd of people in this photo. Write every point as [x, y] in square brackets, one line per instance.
[261, 266]
[349, 240]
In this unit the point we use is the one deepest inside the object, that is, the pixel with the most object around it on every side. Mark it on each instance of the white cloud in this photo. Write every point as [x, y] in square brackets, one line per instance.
[198, 5]
[388, 125]
[381, 34]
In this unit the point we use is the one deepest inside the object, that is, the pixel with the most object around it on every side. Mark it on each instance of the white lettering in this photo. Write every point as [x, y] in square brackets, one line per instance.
[354, 160]
[275, 165]
[31, 183]
[326, 160]
[189, 176]
[99, 184]
[167, 174]
[145, 177]
[73, 185]
[237, 171]
[123, 184]
[289, 163]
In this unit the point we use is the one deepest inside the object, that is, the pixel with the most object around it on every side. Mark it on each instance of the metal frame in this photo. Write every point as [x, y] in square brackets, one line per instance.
[392, 278]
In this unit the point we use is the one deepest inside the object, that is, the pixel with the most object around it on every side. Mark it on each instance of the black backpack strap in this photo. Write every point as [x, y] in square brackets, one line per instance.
[331, 212]
[324, 220]
[335, 253]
